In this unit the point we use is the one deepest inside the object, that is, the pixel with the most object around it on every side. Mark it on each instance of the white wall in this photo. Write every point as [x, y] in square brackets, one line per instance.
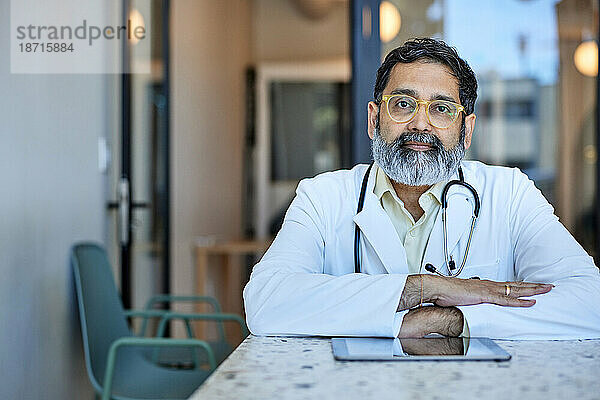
[210, 51]
[51, 196]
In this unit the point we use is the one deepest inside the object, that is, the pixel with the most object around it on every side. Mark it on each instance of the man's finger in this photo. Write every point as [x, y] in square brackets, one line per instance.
[508, 301]
[525, 302]
[520, 291]
[529, 284]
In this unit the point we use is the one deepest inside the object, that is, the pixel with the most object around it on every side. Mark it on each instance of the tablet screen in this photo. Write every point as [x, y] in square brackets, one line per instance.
[437, 348]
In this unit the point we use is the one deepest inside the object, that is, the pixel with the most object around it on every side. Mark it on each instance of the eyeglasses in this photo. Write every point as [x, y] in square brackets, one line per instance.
[440, 113]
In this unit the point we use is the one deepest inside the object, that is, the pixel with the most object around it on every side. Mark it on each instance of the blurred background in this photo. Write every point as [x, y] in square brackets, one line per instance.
[183, 174]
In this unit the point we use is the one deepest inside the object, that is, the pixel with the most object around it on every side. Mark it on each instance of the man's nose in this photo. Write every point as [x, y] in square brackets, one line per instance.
[420, 122]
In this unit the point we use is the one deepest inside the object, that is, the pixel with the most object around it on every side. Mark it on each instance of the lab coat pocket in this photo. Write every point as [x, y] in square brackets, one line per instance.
[486, 270]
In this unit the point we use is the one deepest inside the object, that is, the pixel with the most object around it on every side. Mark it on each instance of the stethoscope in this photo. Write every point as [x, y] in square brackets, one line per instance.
[429, 267]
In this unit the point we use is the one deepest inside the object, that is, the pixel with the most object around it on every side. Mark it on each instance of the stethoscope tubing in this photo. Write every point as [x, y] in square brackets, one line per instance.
[449, 261]
[361, 201]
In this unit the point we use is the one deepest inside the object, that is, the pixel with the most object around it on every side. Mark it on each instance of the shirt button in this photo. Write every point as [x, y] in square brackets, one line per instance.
[412, 234]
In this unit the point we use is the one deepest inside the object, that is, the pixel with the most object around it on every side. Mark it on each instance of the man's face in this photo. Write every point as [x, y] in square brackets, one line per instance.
[416, 152]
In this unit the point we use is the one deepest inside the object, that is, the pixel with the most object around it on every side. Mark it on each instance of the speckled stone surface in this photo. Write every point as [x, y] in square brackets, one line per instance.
[304, 368]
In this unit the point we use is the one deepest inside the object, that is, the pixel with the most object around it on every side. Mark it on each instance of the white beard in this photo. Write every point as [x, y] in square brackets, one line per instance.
[417, 168]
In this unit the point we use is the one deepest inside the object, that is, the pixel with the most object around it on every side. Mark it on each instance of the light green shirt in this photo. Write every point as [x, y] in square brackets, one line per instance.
[413, 234]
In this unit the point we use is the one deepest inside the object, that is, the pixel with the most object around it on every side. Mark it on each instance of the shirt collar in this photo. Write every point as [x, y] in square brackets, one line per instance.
[383, 184]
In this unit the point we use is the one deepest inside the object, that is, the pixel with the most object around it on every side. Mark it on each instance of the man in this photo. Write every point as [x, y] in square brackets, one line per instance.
[529, 278]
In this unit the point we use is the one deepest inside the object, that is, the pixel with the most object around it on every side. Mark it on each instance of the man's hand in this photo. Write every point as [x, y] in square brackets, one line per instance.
[447, 292]
[463, 292]
[433, 346]
[422, 321]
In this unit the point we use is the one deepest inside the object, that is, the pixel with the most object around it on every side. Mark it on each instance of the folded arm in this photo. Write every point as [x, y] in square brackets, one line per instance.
[549, 264]
[289, 293]
[544, 251]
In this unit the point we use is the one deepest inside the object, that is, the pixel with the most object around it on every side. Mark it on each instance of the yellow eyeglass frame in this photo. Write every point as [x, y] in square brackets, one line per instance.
[386, 98]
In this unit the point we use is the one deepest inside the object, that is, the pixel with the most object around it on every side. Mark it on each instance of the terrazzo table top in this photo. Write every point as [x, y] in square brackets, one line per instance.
[304, 368]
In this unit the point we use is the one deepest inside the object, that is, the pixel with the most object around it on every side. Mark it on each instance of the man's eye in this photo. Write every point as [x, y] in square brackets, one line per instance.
[442, 109]
[402, 104]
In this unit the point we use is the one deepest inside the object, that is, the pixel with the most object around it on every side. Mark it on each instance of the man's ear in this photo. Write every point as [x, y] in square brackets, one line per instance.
[469, 127]
[373, 110]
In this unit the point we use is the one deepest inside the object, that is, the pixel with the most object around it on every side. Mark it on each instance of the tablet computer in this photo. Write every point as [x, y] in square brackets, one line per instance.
[427, 349]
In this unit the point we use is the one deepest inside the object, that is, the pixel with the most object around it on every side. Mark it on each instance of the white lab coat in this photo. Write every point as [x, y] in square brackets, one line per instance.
[305, 283]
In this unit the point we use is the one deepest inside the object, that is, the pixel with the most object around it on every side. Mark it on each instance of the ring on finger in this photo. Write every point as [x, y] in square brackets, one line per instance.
[507, 290]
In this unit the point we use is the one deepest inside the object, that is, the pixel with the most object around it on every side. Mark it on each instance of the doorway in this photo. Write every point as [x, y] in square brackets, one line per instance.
[138, 207]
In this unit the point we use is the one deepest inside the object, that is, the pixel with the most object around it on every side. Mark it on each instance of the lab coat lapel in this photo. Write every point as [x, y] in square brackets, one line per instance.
[377, 228]
[458, 214]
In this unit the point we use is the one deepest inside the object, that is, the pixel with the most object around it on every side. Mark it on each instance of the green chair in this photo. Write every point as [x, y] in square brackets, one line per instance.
[149, 309]
[115, 360]
[221, 347]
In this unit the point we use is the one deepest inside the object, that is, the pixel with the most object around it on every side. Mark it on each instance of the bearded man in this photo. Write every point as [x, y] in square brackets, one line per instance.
[394, 249]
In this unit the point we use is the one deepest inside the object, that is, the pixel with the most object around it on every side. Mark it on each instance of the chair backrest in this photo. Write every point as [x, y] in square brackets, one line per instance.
[100, 307]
